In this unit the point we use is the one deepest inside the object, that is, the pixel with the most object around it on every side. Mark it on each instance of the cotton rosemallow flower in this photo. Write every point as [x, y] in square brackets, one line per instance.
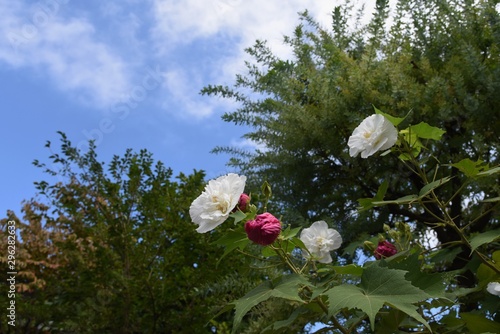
[375, 133]
[384, 249]
[264, 229]
[243, 203]
[320, 240]
[217, 201]
[493, 288]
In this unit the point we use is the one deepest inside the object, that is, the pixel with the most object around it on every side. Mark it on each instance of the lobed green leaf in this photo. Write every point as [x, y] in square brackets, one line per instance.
[231, 240]
[433, 185]
[286, 287]
[379, 286]
[368, 203]
[478, 324]
[489, 172]
[484, 238]
[468, 167]
[426, 131]
[402, 200]
[238, 216]
[394, 120]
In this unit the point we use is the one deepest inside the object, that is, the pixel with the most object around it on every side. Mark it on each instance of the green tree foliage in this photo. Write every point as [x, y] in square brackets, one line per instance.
[429, 61]
[111, 249]
[438, 59]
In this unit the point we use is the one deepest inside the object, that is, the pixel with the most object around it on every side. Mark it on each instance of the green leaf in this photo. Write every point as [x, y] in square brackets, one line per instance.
[432, 283]
[489, 172]
[285, 323]
[453, 323]
[350, 269]
[298, 243]
[389, 323]
[426, 131]
[379, 286]
[394, 120]
[485, 274]
[469, 168]
[478, 324]
[402, 200]
[231, 240]
[286, 287]
[268, 251]
[289, 233]
[484, 238]
[350, 249]
[445, 255]
[411, 138]
[238, 216]
[288, 246]
[367, 203]
[413, 141]
[287, 240]
[433, 185]
[415, 151]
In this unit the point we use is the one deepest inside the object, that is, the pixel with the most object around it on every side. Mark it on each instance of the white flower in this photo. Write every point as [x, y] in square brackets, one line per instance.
[320, 240]
[375, 133]
[493, 288]
[217, 201]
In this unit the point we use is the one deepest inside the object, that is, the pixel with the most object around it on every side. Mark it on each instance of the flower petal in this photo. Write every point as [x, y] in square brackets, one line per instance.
[217, 201]
[320, 240]
[373, 134]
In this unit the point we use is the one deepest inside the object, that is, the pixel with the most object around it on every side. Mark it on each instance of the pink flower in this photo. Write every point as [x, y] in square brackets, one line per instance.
[384, 249]
[264, 229]
[243, 202]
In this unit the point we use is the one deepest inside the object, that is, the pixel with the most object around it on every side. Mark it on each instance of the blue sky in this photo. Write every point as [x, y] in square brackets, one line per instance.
[128, 74]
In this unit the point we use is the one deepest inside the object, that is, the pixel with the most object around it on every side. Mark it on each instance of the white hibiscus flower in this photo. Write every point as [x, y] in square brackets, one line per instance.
[375, 133]
[217, 201]
[493, 288]
[320, 240]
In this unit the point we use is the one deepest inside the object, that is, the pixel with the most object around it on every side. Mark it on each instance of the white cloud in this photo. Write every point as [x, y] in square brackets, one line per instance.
[182, 87]
[64, 49]
[99, 63]
[180, 91]
[179, 24]
[186, 21]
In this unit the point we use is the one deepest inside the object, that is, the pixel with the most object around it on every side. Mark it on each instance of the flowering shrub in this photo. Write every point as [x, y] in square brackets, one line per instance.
[396, 293]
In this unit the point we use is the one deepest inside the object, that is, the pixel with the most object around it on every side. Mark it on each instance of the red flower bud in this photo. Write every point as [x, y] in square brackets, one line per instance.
[264, 229]
[243, 202]
[384, 249]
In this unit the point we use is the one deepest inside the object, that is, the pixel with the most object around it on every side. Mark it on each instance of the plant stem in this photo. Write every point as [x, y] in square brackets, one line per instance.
[285, 258]
[480, 216]
[450, 222]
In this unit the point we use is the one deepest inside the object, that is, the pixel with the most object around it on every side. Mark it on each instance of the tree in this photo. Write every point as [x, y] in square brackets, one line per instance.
[438, 62]
[111, 249]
